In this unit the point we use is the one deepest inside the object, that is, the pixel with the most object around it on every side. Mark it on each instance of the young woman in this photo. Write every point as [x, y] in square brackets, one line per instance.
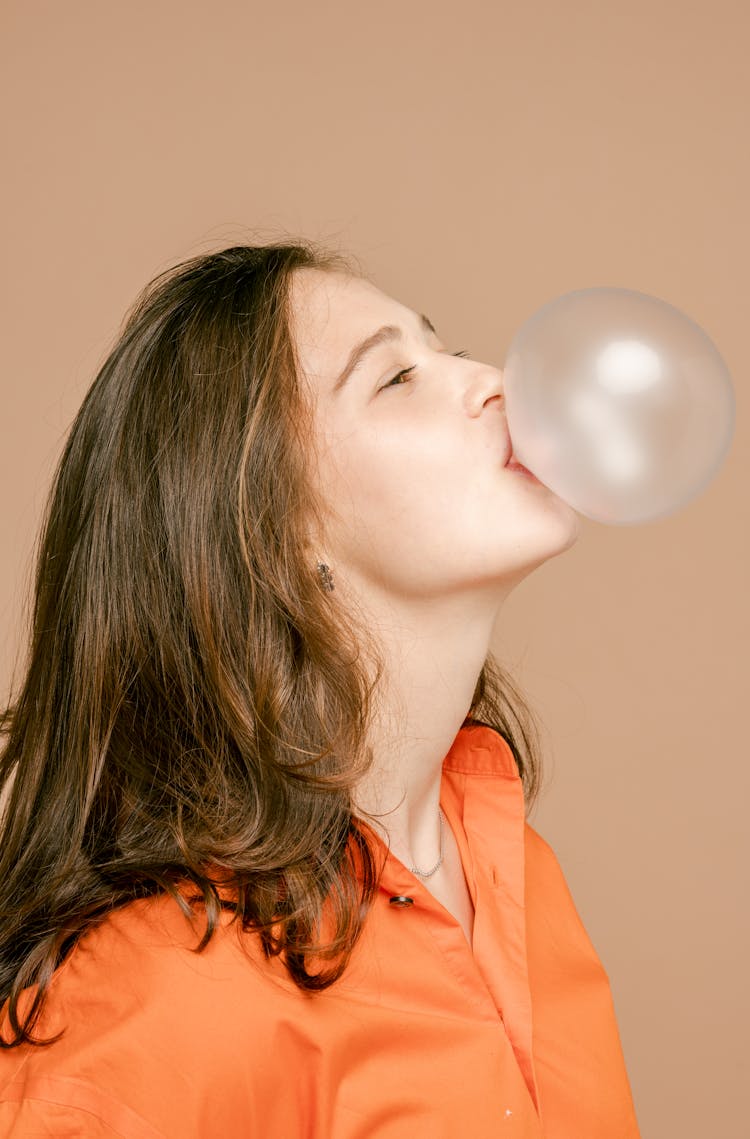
[265, 868]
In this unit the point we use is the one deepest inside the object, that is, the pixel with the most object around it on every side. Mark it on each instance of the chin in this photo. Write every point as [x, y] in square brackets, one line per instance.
[564, 522]
[574, 526]
[560, 533]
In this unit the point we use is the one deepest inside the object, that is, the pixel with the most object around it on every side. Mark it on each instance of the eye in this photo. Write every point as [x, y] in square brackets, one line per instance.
[392, 383]
[406, 372]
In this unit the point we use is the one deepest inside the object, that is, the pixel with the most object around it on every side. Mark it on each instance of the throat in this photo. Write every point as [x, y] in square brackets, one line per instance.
[450, 888]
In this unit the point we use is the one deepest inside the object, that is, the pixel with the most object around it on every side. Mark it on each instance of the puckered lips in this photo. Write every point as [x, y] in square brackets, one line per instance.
[512, 462]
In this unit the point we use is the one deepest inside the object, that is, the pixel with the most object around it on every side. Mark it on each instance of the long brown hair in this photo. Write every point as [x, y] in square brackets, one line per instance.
[194, 709]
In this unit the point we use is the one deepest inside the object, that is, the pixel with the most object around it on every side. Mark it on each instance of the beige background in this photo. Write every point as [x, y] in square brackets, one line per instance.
[480, 158]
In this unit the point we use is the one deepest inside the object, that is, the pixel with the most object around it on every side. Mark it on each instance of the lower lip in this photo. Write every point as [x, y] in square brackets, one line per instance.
[514, 465]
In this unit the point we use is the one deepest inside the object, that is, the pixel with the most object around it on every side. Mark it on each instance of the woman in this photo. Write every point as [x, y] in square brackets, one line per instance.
[265, 867]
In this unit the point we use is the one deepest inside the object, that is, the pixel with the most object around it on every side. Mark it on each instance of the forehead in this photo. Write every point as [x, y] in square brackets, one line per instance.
[331, 311]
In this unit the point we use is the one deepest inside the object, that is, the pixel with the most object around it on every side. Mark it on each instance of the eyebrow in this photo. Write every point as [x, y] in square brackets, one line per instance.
[381, 336]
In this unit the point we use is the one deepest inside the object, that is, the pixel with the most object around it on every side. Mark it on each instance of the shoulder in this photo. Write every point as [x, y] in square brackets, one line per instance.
[150, 1023]
[554, 924]
[542, 863]
[142, 964]
[543, 869]
[146, 953]
[537, 847]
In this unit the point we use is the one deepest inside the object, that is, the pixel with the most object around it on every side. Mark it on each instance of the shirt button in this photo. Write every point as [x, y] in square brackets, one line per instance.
[401, 900]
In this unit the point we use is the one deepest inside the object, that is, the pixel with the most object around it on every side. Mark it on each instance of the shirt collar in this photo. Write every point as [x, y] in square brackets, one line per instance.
[477, 750]
[480, 750]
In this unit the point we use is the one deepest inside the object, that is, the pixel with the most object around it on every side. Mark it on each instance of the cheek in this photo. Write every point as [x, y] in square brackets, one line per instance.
[404, 492]
[421, 517]
[369, 488]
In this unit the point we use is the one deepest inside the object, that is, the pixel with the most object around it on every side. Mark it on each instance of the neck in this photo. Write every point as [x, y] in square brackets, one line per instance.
[434, 655]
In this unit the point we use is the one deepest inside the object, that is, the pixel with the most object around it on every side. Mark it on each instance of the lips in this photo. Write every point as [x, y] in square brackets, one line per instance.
[510, 456]
[512, 462]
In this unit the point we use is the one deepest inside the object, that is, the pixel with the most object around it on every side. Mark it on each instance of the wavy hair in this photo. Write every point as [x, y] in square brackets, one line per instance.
[193, 708]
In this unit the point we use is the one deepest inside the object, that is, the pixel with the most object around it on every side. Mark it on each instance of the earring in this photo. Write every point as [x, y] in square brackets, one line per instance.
[325, 576]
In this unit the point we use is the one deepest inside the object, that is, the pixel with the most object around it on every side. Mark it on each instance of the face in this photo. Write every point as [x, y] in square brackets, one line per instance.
[410, 453]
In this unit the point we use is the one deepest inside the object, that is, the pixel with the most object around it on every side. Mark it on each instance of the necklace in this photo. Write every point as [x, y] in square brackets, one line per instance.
[439, 863]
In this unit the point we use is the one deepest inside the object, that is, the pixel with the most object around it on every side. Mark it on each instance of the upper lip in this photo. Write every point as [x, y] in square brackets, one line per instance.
[509, 445]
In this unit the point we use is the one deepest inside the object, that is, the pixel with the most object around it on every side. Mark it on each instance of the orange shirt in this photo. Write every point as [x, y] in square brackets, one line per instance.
[424, 1035]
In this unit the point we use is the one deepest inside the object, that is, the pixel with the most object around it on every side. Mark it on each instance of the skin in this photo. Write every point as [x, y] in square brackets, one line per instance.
[426, 535]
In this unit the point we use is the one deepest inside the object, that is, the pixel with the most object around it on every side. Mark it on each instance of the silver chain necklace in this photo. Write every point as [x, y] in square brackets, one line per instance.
[439, 863]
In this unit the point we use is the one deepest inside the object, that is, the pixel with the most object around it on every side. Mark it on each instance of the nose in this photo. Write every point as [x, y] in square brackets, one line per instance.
[485, 388]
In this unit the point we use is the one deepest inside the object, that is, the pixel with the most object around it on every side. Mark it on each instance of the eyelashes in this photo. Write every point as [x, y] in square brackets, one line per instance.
[408, 371]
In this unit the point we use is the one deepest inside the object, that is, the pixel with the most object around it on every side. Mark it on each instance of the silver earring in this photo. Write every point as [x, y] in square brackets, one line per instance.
[325, 576]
